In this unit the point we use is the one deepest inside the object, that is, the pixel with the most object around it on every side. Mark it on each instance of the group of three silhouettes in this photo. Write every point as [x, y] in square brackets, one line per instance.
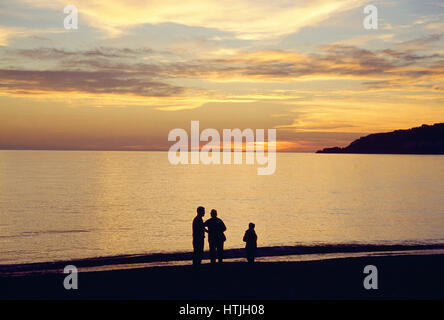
[215, 228]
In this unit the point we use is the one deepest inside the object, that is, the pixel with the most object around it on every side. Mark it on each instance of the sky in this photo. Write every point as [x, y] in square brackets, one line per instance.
[136, 69]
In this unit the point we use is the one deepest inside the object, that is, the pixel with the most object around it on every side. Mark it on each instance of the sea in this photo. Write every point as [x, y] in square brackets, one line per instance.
[70, 205]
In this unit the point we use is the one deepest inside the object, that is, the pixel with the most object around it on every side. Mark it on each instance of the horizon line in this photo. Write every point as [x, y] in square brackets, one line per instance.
[137, 150]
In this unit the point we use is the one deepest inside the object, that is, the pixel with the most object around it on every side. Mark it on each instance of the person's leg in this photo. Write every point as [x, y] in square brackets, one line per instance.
[195, 253]
[213, 252]
[249, 256]
[220, 251]
[200, 251]
[253, 254]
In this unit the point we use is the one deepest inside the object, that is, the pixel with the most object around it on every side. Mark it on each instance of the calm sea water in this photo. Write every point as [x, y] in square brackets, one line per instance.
[59, 205]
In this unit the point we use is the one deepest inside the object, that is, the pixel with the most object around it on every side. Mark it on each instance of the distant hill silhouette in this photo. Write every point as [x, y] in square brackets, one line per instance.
[421, 140]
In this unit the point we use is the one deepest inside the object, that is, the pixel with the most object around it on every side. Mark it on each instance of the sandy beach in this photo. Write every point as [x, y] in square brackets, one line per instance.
[399, 277]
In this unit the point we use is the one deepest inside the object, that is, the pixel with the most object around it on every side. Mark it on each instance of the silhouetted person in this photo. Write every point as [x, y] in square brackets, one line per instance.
[198, 236]
[250, 238]
[216, 237]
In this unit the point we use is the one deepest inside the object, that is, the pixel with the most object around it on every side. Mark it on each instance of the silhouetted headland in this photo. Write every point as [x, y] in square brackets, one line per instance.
[427, 139]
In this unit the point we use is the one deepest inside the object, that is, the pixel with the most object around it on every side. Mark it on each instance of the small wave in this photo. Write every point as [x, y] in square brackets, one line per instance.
[52, 231]
[37, 233]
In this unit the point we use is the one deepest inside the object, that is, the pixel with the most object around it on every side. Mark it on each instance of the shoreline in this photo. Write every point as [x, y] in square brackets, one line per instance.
[265, 254]
[399, 277]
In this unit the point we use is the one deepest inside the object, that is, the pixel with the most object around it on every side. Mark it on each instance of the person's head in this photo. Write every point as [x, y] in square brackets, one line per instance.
[251, 226]
[200, 211]
[213, 213]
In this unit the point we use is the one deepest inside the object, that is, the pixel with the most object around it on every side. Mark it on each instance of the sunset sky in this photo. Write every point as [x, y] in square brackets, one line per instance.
[136, 69]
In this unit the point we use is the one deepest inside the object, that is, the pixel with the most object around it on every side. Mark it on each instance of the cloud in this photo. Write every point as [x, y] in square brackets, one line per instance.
[59, 53]
[124, 70]
[332, 62]
[7, 33]
[31, 81]
[365, 39]
[421, 43]
[247, 19]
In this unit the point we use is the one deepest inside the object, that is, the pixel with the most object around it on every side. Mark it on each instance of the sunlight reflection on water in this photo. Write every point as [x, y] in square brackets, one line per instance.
[62, 205]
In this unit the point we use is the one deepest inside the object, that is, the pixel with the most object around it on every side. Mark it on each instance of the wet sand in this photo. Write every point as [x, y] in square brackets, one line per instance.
[399, 277]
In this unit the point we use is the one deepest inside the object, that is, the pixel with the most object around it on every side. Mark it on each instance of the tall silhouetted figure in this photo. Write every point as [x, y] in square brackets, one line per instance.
[216, 237]
[250, 239]
[198, 236]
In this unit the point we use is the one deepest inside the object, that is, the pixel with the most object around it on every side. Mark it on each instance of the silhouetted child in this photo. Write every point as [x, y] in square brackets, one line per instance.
[250, 238]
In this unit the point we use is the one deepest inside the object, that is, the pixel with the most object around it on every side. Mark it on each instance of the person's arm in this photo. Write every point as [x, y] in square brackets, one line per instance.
[194, 227]
[224, 228]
